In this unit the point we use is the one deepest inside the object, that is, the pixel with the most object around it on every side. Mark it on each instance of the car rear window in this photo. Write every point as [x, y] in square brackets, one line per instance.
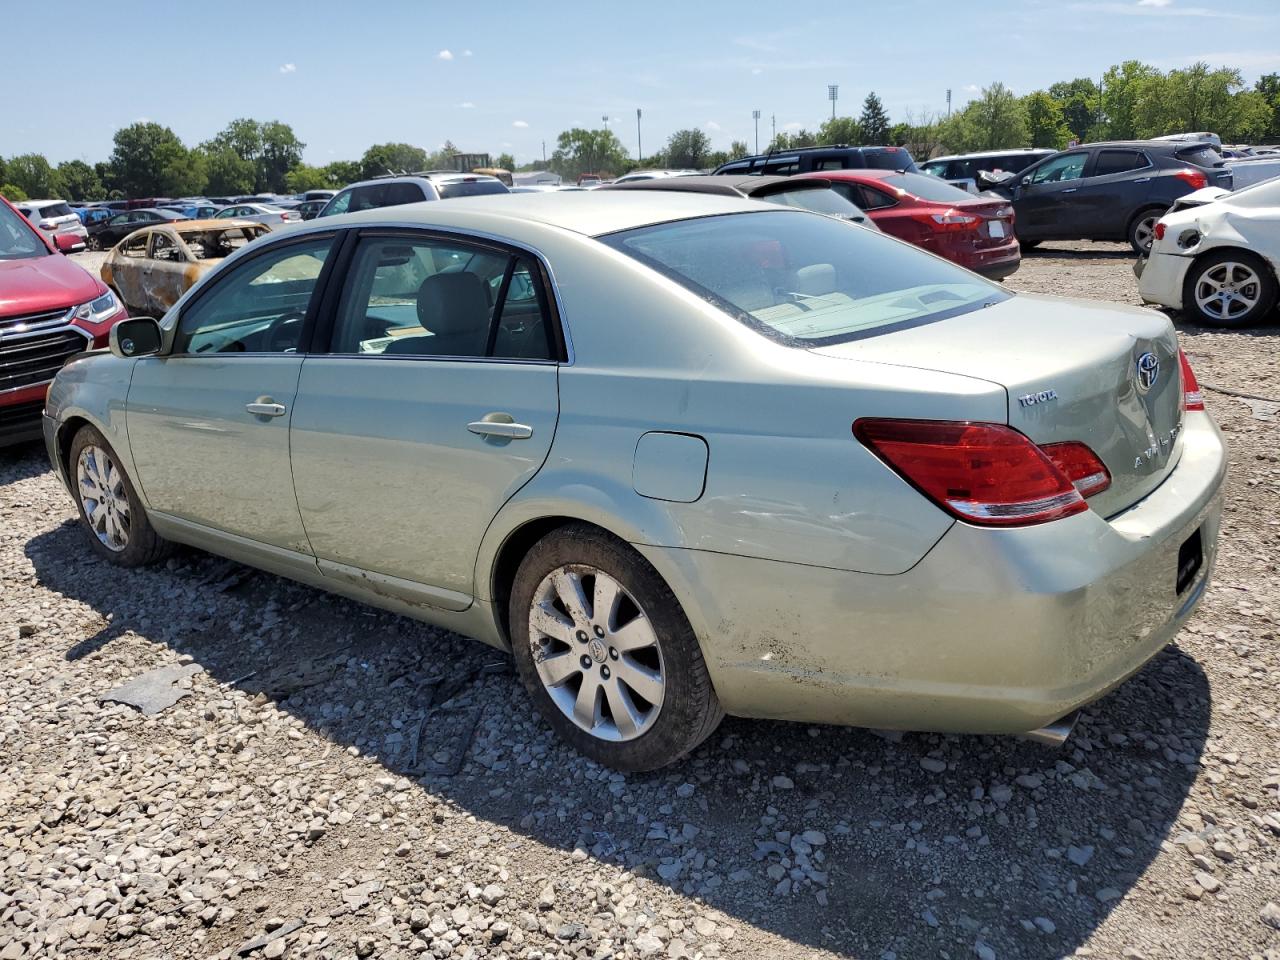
[819, 200]
[888, 158]
[803, 280]
[470, 188]
[51, 210]
[1202, 155]
[926, 188]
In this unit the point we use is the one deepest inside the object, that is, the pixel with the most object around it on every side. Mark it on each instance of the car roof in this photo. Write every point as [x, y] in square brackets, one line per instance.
[979, 154]
[728, 184]
[592, 213]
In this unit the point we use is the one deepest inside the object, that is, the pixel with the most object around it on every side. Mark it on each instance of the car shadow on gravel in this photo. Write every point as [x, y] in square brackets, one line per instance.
[862, 844]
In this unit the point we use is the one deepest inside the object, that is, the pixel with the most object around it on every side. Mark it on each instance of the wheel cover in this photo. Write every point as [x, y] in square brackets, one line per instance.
[1145, 231]
[103, 498]
[596, 653]
[1228, 291]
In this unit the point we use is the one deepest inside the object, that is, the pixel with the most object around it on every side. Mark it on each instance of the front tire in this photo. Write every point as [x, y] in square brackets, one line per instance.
[1230, 288]
[110, 509]
[91, 242]
[1142, 229]
[606, 653]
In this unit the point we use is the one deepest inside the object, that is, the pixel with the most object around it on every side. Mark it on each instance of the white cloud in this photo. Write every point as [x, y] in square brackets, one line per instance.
[793, 126]
[1154, 3]
[972, 88]
[467, 53]
[506, 143]
[466, 105]
[1157, 9]
[711, 125]
[521, 124]
[444, 55]
[288, 68]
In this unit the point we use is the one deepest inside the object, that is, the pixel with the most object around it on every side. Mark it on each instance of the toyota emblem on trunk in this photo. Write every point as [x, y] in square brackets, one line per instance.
[1148, 369]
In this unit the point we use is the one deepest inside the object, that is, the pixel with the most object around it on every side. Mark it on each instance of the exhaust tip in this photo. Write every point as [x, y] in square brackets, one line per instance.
[1054, 734]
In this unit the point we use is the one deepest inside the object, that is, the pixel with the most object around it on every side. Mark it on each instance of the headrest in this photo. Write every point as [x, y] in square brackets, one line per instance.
[453, 303]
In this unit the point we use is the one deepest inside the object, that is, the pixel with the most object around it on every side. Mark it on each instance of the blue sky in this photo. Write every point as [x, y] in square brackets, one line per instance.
[497, 76]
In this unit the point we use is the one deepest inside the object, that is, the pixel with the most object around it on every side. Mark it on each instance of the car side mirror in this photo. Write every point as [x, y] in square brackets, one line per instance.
[135, 337]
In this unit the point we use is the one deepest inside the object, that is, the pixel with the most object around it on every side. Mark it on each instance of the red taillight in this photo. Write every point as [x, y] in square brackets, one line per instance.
[1159, 230]
[45, 225]
[986, 473]
[1192, 398]
[1080, 465]
[1195, 178]
[949, 220]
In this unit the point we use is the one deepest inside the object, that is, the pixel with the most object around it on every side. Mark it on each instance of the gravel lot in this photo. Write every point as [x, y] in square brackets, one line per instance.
[340, 782]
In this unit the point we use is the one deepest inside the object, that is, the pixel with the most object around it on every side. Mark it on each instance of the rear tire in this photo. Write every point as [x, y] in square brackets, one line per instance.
[110, 510]
[1029, 244]
[624, 684]
[92, 243]
[1230, 289]
[1142, 229]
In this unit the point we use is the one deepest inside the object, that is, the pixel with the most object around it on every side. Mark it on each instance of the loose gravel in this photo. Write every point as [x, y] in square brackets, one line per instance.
[338, 782]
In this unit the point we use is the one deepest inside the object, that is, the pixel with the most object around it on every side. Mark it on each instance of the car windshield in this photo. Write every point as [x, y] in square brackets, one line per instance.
[924, 187]
[470, 188]
[804, 280]
[18, 241]
[824, 200]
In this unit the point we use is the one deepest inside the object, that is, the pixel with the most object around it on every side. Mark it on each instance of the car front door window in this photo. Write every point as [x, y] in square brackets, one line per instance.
[1067, 167]
[259, 307]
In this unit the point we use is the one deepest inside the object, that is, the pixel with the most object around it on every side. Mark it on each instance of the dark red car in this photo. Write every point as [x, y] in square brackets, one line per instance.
[50, 310]
[975, 232]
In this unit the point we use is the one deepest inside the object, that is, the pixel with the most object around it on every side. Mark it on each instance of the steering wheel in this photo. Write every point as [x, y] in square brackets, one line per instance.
[285, 332]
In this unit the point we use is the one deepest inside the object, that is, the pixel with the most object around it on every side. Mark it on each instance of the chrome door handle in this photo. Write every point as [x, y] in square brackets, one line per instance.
[501, 429]
[1143, 180]
[1071, 190]
[265, 408]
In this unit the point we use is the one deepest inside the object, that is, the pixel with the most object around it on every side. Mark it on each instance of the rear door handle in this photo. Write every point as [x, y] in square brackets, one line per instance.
[1071, 190]
[1143, 180]
[265, 407]
[502, 429]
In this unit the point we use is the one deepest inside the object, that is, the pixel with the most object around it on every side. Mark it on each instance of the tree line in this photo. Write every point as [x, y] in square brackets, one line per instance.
[1131, 100]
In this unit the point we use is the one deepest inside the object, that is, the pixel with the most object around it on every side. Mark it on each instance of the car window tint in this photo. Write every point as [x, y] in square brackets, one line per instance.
[134, 246]
[1118, 161]
[870, 198]
[259, 306]
[1069, 166]
[1202, 155]
[819, 201]
[437, 298]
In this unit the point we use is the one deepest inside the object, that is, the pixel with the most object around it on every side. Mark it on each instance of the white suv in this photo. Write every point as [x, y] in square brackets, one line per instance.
[392, 191]
[54, 217]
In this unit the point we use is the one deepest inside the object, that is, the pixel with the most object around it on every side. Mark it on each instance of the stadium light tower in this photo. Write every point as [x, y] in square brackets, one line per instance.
[755, 115]
[833, 94]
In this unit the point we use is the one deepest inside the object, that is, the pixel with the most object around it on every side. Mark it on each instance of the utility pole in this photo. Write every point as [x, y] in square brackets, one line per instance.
[833, 94]
[639, 146]
[948, 103]
[755, 115]
[773, 119]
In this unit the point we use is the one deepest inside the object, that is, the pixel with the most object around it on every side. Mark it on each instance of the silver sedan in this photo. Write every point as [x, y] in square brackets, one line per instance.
[682, 455]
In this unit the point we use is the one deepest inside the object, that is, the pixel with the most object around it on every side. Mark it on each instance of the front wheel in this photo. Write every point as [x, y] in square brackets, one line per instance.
[607, 654]
[109, 507]
[91, 242]
[1231, 288]
[1142, 230]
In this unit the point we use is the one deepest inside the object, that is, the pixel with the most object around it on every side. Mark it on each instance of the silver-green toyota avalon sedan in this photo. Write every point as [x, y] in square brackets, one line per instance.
[683, 455]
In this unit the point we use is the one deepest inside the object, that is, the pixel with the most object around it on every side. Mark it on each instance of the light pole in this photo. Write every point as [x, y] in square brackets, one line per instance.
[755, 115]
[833, 94]
[948, 103]
[639, 146]
[773, 120]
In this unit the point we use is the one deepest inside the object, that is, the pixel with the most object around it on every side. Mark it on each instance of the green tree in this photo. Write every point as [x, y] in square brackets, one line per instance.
[581, 151]
[1124, 87]
[31, 173]
[13, 192]
[342, 172]
[80, 181]
[840, 130]
[270, 148]
[303, 178]
[791, 141]
[920, 133]
[384, 158]
[1267, 87]
[150, 160]
[996, 120]
[738, 148]
[1079, 101]
[874, 122]
[1045, 125]
[229, 173]
[688, 149]
[505, 161]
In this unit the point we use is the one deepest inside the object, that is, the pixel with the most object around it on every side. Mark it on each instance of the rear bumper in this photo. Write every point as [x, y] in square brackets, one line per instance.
[1161, 278]
[994, 631]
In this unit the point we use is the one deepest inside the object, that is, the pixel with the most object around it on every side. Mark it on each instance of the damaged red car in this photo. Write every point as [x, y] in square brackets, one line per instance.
[972, 231]
[50, 310]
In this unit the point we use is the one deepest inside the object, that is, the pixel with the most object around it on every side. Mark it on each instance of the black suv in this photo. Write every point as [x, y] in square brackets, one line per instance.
[816, 159]
[1110, 191]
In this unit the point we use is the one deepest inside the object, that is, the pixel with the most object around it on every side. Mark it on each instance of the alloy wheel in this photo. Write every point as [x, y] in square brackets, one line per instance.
[103, 498]
[1227, 291]
[596, 653]
[1145, 231]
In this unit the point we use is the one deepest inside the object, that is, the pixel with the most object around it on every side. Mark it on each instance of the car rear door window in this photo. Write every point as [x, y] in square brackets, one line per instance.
[430, 297]
[165, 247]
[135, 247]
[1119, 161]
[259, 306]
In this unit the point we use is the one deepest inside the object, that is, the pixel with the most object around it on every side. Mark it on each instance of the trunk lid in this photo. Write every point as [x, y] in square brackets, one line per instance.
[996, 228]
[1071, 371]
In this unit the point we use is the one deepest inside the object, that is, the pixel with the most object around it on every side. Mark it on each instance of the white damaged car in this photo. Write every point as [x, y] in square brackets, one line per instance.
[1216, 255]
